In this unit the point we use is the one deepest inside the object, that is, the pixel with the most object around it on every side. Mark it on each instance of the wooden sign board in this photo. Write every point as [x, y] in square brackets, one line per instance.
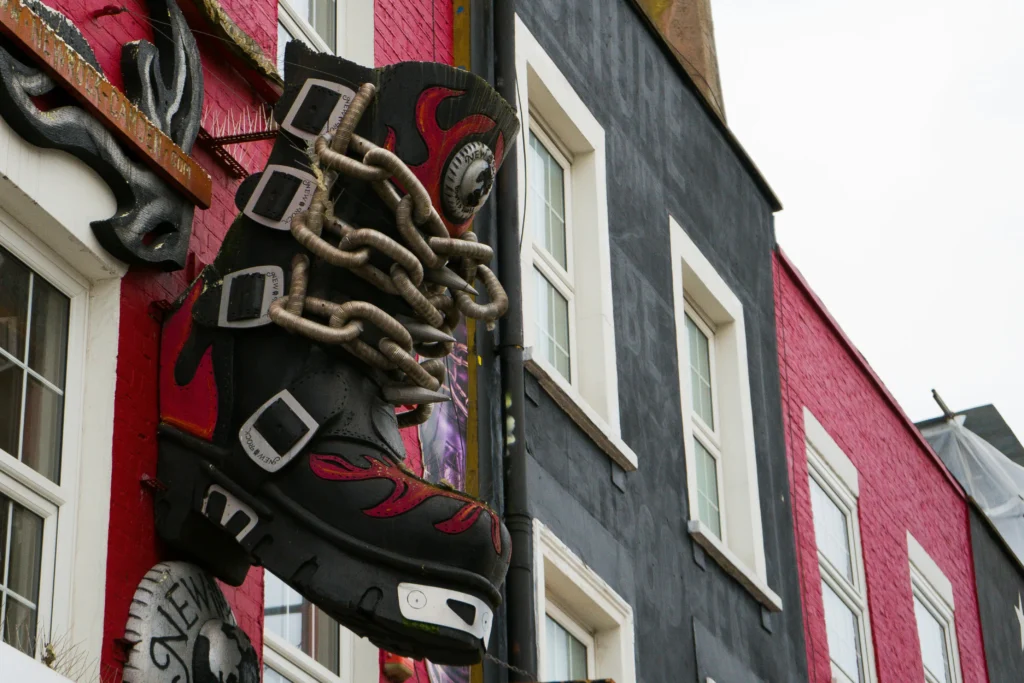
[108, 104]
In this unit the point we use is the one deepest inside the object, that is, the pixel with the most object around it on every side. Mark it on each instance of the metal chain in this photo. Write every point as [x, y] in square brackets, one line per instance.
[522, 672]
[420, 274]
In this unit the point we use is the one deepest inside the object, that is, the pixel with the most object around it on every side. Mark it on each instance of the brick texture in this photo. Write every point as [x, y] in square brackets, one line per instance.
[412, 30]
[903, 488]
[133, 547]
[404, 30]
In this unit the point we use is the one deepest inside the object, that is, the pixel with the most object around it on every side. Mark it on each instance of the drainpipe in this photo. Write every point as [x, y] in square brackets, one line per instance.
[519, 584]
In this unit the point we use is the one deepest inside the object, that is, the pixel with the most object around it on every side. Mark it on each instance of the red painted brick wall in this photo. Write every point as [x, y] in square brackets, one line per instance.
[133, 547]
[412, 30]
[404, 30]
[902, 487]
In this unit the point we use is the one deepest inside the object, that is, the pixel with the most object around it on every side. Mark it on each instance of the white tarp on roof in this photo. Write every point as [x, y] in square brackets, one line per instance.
[994, 481]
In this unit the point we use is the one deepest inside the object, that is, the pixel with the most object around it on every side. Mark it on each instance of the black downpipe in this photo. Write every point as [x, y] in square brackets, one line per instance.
[519, 586]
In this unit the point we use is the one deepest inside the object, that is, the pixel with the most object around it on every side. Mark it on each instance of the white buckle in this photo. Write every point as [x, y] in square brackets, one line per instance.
[261, 452]
[299, 202]
[273, 288]
[336, 114]
[429, 605]
[231, 505]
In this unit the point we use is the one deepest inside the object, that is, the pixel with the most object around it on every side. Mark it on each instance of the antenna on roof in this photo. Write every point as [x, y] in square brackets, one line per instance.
[942, 404]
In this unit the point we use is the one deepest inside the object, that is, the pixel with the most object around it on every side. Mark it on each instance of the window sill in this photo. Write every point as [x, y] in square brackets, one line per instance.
[732, 564]
[570, 401]
[17, 666]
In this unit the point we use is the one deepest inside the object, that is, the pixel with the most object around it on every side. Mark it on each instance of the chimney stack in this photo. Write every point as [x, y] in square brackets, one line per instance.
[687, 27]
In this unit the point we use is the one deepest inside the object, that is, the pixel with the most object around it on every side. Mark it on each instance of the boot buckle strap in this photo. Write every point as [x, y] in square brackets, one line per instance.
[277, 431]
[246, 296]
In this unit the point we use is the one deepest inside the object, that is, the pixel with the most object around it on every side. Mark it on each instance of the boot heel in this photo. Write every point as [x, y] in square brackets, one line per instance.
[197, 513]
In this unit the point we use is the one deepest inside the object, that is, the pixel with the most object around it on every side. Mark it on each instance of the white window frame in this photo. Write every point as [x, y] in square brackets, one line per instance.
[358, 659]
[557, 115]
[708, 436]
[566, 587]
[561, 279]
[575, 629]
[71, 594]
[740, 549]
[353, 31]
[836, 474]
[930, 585]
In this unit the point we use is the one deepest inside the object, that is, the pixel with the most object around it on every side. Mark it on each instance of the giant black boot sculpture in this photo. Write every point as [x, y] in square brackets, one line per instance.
[283, 364]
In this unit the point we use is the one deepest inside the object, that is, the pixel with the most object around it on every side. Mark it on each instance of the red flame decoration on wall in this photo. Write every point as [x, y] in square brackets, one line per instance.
[442, 142]
[409, 492]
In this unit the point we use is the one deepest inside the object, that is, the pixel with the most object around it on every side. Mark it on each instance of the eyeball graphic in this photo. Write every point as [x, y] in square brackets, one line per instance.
[468, 181]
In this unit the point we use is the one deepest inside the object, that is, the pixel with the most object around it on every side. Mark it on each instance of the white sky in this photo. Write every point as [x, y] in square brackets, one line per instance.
[893, 133]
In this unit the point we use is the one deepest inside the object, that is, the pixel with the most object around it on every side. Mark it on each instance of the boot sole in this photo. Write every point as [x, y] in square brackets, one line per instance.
[204, 513]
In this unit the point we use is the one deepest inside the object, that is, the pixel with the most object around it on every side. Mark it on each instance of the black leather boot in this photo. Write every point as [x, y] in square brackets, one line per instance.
[282, 365]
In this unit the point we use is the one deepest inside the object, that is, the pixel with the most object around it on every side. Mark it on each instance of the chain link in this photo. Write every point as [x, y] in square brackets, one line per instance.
[414, 275]
[522, 672]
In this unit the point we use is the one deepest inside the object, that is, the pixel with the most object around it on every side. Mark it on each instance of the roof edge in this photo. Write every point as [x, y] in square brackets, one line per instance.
[865, 367]
[745, 160]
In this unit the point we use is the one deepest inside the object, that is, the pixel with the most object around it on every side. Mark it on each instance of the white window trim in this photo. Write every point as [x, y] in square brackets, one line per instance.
[830, 452]
[592, 397]
[930, 585]
[75, 536]
[594, 606]
[353, 31]
[570, 624]
[358, 659]
[829, 466]
[694, 278]
[708, 436]
[562, 279]
[17, 666]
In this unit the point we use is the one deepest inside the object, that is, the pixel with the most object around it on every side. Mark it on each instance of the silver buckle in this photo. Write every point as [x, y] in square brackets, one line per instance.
[429, 605]
[345, 99]
[299, 202]
[273, 288]
[261, 452]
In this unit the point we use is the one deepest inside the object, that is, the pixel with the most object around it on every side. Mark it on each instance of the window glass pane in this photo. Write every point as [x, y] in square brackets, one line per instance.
[283, 36]
[831, 531]
[14, 279]
[271, 676]
[842, 633]
[295, 620]
[933, 641]
[552, 326]
[11, 384]
[48, 339]
[44, 429]
[566, 655]
[26, 553]
[547, 200]
[21, 534]
[320, 15]
[700, 373]
[19, 625]
[708, 510]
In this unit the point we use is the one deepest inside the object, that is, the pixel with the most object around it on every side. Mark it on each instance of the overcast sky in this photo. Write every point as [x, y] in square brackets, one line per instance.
[893, 133]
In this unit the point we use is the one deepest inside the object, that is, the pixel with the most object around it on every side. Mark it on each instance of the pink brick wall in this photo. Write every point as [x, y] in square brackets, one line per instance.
[412, 30]
[404, 30]
[133, 547]
[902, 487]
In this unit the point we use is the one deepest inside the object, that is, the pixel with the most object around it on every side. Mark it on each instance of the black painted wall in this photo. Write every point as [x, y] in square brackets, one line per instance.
[665, 157]
[1000, 580]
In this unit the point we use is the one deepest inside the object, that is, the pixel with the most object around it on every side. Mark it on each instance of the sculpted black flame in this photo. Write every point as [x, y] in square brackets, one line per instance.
[153, 223]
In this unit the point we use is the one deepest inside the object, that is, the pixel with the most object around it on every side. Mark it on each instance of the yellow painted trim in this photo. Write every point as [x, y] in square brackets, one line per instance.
[460, 34]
